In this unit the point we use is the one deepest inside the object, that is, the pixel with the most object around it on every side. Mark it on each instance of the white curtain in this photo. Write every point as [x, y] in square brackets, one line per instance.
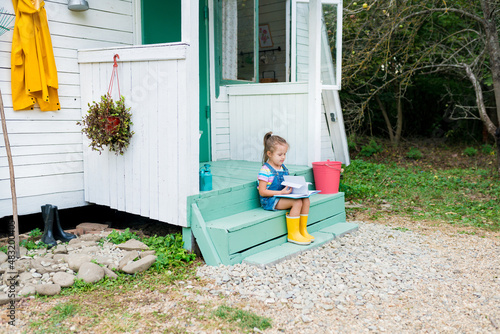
[229, 39]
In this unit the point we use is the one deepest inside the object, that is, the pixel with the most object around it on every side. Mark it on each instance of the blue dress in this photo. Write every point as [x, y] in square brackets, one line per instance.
[269, 203]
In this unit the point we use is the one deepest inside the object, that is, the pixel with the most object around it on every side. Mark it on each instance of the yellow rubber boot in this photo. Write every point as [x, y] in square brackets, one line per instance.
[294, 236]
[303, 228]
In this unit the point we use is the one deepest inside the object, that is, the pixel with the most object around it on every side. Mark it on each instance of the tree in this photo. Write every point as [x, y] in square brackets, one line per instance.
[418, 38]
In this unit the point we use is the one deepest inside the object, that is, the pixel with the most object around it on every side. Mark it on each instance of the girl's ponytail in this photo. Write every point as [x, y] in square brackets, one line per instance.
[266, 138]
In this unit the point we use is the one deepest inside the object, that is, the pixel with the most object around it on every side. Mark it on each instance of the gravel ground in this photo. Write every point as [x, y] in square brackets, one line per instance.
[378, 279]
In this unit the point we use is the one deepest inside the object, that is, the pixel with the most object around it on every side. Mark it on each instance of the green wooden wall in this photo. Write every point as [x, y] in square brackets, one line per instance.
[161, 21]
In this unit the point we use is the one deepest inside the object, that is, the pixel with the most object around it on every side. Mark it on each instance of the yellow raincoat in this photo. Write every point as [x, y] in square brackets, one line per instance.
[34, 73]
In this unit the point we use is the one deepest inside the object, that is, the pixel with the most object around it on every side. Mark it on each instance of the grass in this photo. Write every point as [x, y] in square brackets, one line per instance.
[243, 319]
[464, 196]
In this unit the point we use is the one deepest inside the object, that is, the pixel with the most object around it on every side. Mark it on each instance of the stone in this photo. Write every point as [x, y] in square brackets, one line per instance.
[133, 244]
[23, 251]
[4, 299]
[63, 279]
[91, 250]
[24, 264]
[4, 266]
[84, 228]
[140, 265]
[61, 249]
[25, 277]
[146, 253]
[58, 258]
[104, 260]
[38, 266]
[127, 258]
[48, 289]
[90, 272]
[90, 237]
[3, 257]
[76, 260]
[10, 278]
[27, 290]
[109, 273]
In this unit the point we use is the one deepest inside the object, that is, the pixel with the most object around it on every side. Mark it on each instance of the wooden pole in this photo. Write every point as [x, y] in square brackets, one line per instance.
[12, 178]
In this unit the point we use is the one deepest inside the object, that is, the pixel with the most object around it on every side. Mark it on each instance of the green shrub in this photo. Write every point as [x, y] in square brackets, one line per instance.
[487, 149]
[351, 142]
[470, 151]
[414, 153]
[169, 249]
[370, 149]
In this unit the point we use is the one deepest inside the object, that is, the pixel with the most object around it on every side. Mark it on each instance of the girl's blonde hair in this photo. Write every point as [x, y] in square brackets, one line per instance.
[270, 142]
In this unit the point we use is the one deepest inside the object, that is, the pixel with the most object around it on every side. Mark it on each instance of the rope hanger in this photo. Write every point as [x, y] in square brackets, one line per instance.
[113, 75]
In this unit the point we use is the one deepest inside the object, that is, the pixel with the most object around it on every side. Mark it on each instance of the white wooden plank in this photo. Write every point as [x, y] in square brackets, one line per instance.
[34, 160]
[113, 6]
[34, 151]
[136, 146]
[29, 171]
[155, 91]
[170, 51]
[147, 107]
[42, 185]
[126, 165]
[32, 204]
[58, 12]
[268, 89]
[168, 135]
[36, 126]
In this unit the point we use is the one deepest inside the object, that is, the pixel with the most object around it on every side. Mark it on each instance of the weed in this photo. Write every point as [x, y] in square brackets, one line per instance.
[53, 322]
[168, 249]
[370, 149]
[414, 153]
[467, 232]
[402, 229]
[463, 196]
[243, 319]
[117, 237]
[470, 151]
[487, 149]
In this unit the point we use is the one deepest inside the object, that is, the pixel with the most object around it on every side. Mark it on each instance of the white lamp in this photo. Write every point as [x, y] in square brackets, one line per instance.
[78, 5]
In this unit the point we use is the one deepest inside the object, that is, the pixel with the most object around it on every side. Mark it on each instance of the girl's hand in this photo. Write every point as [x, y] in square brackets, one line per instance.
[287, 190]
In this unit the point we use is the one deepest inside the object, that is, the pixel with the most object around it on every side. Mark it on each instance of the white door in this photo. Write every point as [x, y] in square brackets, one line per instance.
[327, 81]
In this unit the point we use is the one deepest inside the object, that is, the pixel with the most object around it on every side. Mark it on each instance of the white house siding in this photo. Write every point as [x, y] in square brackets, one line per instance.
[257, 109]
[156, 174]
[47, 146]
[220, 127]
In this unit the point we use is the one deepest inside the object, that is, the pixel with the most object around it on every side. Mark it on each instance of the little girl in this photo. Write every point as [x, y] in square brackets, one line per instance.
[270, 179]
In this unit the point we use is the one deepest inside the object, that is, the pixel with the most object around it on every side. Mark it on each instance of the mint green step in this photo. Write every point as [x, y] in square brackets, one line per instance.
[229, 225]
[285, 251]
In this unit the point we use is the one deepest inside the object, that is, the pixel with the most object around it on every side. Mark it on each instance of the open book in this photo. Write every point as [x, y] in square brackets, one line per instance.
[299, 187]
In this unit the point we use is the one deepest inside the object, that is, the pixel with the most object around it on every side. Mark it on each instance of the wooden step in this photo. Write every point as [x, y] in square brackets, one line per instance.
[240, 235]
[229, 225]
[287, 250]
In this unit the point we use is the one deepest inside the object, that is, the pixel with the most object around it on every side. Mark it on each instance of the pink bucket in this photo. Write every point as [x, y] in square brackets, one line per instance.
[327, 176]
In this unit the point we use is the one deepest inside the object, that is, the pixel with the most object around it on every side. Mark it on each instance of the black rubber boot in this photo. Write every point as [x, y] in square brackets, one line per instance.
[59, 233]
[48, 224]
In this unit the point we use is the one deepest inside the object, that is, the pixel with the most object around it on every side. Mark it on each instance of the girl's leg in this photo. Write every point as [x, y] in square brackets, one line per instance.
[295, 206]
[306, 203]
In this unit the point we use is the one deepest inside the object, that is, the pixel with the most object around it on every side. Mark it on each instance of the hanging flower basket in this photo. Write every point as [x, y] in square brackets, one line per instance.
[108, 124]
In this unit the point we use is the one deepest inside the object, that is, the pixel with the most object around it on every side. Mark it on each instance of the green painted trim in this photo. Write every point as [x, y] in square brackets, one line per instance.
[187, 238]
[203, 239]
